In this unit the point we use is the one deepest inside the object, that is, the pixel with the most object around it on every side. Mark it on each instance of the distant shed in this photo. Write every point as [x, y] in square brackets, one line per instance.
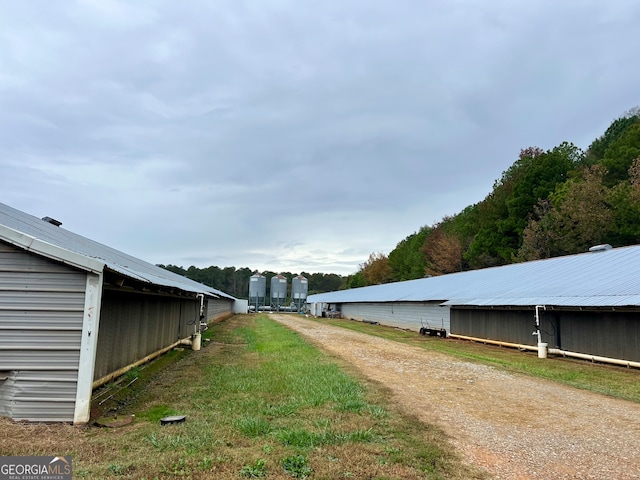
[408, 305]
[587, 305]
[75, 313]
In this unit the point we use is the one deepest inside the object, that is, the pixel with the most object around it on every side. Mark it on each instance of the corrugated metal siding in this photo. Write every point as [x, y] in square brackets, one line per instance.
[218, 307]
[41, 311]
[606, 334]
[135, 325]
[513, 326]
[31, 395]
[407, 315]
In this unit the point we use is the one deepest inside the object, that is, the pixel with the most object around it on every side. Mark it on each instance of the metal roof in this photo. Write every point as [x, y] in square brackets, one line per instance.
[47, 239]
[603, 278]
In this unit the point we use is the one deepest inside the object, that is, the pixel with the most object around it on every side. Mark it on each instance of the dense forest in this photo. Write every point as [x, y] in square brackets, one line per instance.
[548, 203]
[235, 282]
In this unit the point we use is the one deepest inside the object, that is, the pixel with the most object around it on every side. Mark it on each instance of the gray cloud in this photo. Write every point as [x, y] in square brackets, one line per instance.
[287, 135]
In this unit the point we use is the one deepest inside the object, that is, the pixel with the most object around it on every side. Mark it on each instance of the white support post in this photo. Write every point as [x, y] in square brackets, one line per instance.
[542, 347]
[88, 347]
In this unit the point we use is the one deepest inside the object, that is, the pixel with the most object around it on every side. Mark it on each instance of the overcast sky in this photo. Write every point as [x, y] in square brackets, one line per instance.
[292, 135]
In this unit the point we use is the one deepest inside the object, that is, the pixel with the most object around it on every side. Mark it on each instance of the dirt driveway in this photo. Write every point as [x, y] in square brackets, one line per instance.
[512, 426]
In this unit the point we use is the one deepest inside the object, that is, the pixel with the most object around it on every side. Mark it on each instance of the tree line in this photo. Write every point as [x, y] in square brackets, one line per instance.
[235, 281]
[548, 203]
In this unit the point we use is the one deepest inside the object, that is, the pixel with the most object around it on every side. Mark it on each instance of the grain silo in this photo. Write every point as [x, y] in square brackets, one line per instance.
[257, 291]
[299, 289]
[278, 291]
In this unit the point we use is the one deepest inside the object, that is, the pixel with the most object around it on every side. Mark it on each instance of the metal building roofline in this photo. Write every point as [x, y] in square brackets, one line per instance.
[35, 245]
[606, 277]
[596, 301]
[39, 236]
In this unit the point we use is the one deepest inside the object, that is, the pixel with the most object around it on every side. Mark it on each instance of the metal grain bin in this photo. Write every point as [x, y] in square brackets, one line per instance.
[299, 289]
[278, 291]
[257, 290]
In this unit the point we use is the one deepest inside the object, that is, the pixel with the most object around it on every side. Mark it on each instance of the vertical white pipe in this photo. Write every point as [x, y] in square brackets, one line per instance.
[201, 313]
[542, 347]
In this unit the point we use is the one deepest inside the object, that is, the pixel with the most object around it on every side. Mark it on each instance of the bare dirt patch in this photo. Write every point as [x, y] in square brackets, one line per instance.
[512, 426]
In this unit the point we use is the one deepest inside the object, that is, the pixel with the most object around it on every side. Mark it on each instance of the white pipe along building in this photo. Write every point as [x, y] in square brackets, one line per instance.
[75, 313]
[585, 305]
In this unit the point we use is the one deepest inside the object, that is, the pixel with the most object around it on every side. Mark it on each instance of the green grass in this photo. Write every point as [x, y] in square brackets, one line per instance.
[262, 402]
[259, 402]
[251, 426]
[297, 466]
[256, 469]
[615, 381]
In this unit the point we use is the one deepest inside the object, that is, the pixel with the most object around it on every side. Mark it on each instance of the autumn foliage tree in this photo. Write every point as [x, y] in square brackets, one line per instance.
[505, 211]
[538, 238]
[625, 203]
[442, 252]
[376, 270]
[547, 203]
[579, 219]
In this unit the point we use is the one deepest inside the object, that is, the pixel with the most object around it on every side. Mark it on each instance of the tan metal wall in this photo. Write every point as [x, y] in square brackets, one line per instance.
[41, 312]
[218, 308]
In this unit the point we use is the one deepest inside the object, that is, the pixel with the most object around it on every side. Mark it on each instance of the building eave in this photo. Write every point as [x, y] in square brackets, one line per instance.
[48, 250]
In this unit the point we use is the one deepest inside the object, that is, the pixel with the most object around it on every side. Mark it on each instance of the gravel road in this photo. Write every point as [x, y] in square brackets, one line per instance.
[512, 426]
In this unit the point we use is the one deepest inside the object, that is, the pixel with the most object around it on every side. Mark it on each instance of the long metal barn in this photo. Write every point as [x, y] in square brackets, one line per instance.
[75, 313]
[585, 306]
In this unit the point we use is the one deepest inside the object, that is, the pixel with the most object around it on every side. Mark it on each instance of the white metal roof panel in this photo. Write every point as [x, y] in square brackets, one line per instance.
[32, 233]
[596, 279]
[596, 301]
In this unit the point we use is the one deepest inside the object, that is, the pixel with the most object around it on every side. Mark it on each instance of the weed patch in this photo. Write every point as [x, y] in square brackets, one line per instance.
[259, 401]
[252, 426]
[256, 469]
[297, 466]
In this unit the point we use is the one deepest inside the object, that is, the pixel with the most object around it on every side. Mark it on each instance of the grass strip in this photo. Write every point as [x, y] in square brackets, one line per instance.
[611, 380]
[259, 402]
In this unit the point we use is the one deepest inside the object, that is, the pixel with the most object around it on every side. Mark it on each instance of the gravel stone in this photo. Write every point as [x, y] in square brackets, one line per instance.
[511, 426]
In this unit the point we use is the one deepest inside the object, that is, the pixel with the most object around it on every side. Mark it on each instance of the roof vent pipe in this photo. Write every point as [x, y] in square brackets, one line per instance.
[600, 248]
[52, 221]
